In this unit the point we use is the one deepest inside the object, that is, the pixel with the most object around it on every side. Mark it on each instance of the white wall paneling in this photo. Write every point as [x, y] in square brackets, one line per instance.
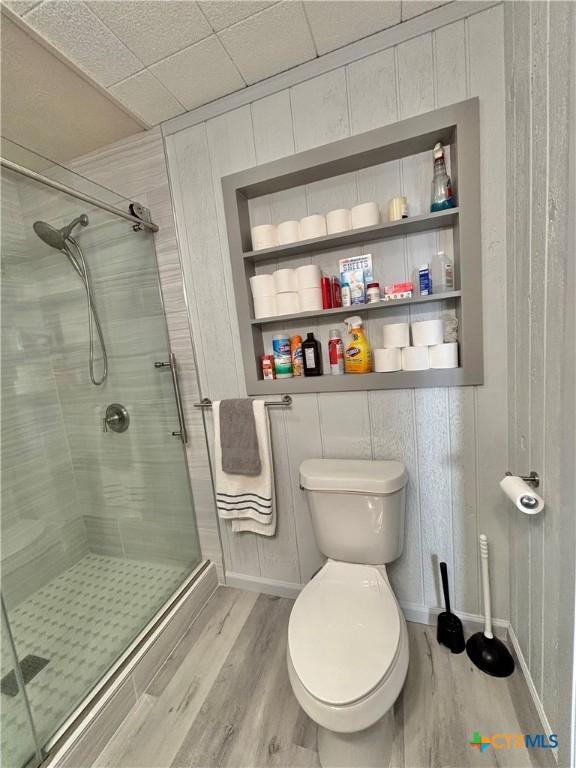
[452, 441]
[541, 385]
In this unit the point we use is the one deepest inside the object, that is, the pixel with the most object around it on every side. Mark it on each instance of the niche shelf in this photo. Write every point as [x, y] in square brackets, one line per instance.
[426, 223]
[358, 309]
[457, 126]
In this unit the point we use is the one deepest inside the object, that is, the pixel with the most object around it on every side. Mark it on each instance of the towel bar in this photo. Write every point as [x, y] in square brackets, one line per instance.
[284, 402]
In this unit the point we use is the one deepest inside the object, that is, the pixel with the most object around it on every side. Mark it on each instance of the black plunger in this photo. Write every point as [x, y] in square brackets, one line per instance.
[449, 632]
[487, 652]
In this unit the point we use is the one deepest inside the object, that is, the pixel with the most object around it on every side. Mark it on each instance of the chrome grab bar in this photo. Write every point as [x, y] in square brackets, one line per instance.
[183, 432]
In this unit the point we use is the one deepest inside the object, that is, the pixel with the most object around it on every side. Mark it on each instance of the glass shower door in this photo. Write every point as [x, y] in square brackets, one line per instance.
[98, 525]
[16, 715]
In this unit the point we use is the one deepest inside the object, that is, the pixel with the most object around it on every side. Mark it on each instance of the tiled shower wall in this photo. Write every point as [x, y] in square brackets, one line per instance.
[541, 343]
[43, 529]
[453, 441]
[136, 168]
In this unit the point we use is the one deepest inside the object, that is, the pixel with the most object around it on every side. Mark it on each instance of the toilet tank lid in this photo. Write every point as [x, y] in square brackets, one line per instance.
[353, 475]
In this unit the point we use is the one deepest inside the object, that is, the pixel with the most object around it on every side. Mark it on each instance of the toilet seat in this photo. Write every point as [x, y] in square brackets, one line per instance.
[344, 632]
[347, 646]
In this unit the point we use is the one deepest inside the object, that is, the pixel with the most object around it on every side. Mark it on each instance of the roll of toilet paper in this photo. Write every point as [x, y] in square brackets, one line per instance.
[264, 236]
[308, 276]
[395, 335]
[288, 232]
[338, 220]
[365, 215]
[285, 280]
[287, 303]
[310, 299]
[312, 226]
[387, 360]
[264, 306]
[415, 359]
[262, 285]
[522, 495]
[427, 332]
[444, 355]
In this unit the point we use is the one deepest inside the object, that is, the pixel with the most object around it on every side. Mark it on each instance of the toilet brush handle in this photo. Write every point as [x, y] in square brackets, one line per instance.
[486, 586]
[444, 574]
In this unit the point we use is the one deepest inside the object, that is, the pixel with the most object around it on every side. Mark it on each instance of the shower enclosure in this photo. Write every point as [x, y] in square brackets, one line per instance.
[98, 525]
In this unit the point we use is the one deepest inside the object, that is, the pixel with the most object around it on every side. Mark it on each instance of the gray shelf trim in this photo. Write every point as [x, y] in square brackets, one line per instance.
[358, 309]
[457, 125]
[353, 382]
[425, 223]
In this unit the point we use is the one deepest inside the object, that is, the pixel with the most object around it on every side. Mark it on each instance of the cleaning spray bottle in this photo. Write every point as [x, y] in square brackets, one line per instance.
[358, 356]
[442, 193]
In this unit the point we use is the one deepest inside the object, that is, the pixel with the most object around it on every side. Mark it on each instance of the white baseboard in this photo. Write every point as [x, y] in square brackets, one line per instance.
[546, 728]
[266, 586]
[419, 614]
[422, 614]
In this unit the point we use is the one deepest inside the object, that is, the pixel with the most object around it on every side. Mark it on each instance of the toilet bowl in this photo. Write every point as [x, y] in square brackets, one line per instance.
[347, 649]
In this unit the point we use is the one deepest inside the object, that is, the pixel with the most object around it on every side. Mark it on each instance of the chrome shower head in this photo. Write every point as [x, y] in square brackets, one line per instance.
[56, 238]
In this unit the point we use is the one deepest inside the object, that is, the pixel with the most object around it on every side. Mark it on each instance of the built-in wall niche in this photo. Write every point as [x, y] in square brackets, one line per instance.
[377, 166]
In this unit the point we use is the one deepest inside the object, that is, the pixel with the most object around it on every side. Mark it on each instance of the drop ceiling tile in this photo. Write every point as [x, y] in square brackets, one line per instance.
[20, 6]
[146, 96]
[335, 23]
[270, 42]
[198, 74]
[75, 31]
[411, 8]
[153, 29]
[224, 13]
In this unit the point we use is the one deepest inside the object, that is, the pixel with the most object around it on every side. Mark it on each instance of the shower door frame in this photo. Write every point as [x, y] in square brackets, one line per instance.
[89, 707]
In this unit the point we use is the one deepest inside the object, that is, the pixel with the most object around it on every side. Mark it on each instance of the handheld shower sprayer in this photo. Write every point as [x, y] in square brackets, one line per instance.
[62, 240]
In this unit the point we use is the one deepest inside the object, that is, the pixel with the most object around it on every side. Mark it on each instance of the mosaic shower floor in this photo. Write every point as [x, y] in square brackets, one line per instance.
[81, 622]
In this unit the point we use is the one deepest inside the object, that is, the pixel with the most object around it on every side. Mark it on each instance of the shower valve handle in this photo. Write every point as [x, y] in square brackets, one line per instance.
[116, 418]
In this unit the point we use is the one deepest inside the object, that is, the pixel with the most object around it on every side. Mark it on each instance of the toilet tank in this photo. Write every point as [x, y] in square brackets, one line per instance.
[357, 508]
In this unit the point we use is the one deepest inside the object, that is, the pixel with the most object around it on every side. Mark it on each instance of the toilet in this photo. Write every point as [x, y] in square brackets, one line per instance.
[347, 638]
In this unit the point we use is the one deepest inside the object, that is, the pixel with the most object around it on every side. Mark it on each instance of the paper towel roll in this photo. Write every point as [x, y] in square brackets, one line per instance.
[365, 215]
[262, 285]
[522, 495]
[285, 280]
[312, 226]
[427, 332]
[264, 306]
[395, 335]
[288, 232]
[287, 303]
[308, 276]
[387, 360]
[415, 359]
[338, 220]
[310, 299]
[264, 236]
[444, 355]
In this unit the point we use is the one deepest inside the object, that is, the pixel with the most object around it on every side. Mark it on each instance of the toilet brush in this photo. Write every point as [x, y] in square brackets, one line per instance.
[486, 651]
[449, 632]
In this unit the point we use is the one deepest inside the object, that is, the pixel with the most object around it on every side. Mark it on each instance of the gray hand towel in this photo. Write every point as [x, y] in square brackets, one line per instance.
[238, 440]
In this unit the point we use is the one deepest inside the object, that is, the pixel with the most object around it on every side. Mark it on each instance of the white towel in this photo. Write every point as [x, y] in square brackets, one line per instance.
[247, 500]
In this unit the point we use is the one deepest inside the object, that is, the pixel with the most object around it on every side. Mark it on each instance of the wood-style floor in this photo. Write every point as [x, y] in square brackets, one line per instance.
[223, 698]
